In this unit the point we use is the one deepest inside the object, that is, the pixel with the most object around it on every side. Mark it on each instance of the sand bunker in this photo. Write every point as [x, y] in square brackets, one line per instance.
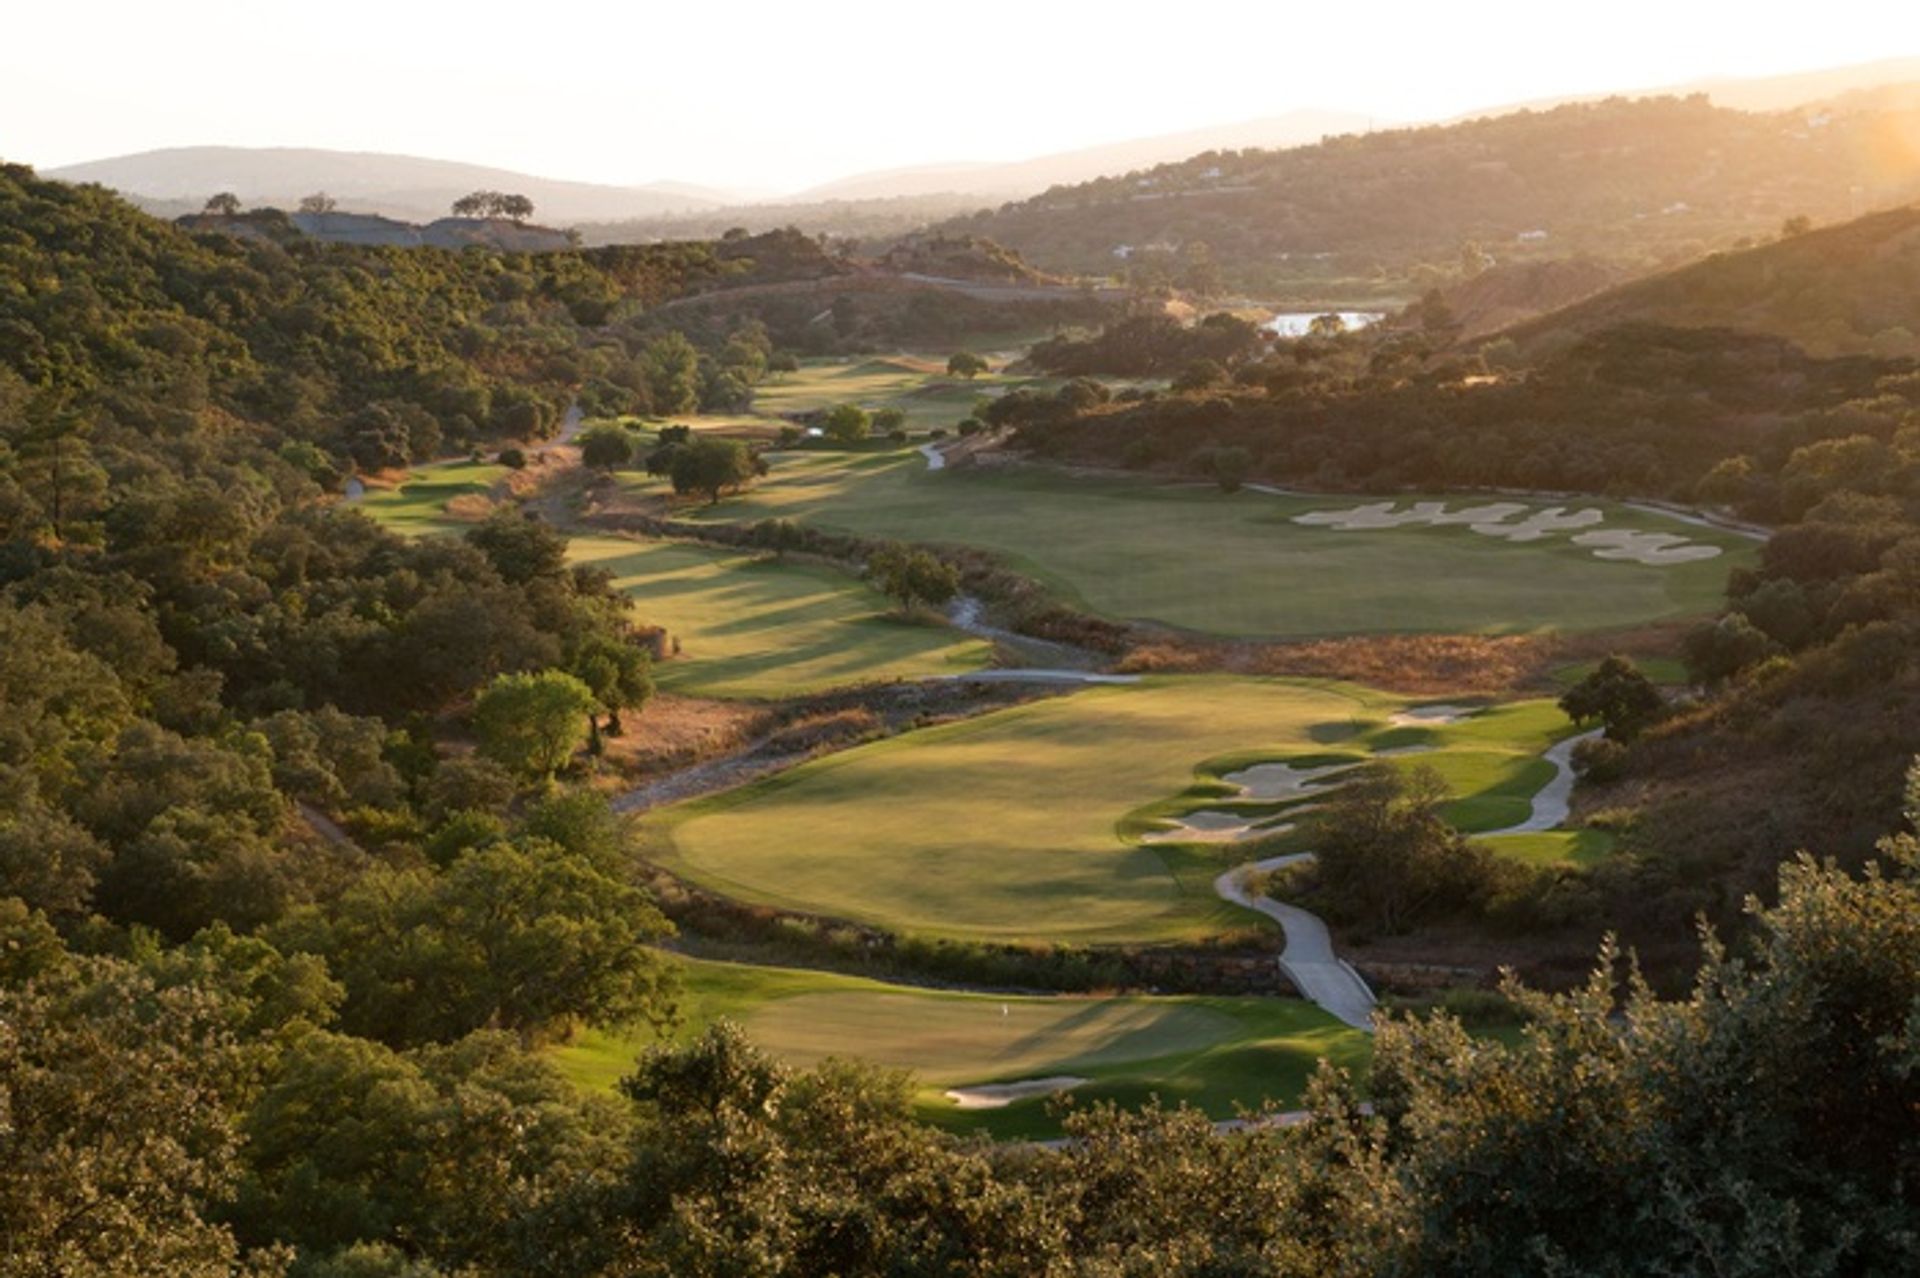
[1001, 1095]
[1517, 522]
[1279, 780]
[1214, 826]
[1431, 716]
[1644, 547]
[1542, 523]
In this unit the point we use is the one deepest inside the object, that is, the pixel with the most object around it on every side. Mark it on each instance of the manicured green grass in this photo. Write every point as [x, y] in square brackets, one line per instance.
[1024, 824]
[1198, 559]
[1554, 847]
[1212, 1052]
[915, 384]
[419, 505]
[1666, 670]
[753, 626]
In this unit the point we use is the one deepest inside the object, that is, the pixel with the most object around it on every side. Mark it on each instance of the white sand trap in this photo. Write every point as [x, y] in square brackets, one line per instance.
[1379, 514]
[1279, 780]
[1213, 826]
[1492, 515]
[1497, 519]
[1437, 715]
[1001, 1095]
[1542, 523]
[1644, 547]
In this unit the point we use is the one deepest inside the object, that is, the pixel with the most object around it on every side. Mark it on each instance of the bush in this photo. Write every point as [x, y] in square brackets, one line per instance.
[512, 459]
[606, 447]
[847, 424]
[1600, 760]
[971, 426]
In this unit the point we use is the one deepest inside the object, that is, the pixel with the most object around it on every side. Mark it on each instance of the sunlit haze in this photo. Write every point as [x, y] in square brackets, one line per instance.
[775, 97]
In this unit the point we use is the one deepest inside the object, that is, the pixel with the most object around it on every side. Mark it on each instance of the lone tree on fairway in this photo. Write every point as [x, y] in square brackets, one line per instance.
[225, 204]
[606, 447]
[912, 577]
[712, 467]
[532, 723]
[965, 364]
[318, 202]
[847, 424]
[1619, 696]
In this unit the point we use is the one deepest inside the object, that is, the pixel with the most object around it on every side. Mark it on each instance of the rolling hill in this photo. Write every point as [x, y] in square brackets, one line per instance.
[1021, 178]
[1645, 181]
[1846, 289]
[179, 179]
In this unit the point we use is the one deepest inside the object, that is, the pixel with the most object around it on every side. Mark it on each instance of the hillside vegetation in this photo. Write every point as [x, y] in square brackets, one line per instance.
[305, 883]
[1835, 290]
[1640, 181]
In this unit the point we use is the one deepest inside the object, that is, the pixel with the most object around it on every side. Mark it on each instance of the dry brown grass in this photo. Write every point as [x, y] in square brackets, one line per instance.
[1399, 663]
[1489, 665]
[673, 731]
[469, 508]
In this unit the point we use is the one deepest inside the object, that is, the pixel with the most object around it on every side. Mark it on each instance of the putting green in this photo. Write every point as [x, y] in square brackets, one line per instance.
[1212, 1052]
[1025, 824]
[752, 626]
[1197, 559]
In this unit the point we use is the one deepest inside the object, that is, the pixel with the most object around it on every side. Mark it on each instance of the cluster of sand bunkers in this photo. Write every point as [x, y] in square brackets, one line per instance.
[1282, 782]
[1516, 521]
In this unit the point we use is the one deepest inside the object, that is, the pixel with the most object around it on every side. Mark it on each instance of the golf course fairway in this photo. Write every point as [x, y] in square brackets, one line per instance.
[1196, 559]
[1212, 1052]
[753, 626]
[1032, 823]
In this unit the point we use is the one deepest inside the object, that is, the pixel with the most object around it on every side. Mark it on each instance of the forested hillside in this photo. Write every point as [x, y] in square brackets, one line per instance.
[384, 354]
[1640, 182]
[1834, 290]
[299, 881]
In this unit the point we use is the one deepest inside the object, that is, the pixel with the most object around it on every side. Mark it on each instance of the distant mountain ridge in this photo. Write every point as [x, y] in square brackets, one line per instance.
[411, 188]
[1020, 178]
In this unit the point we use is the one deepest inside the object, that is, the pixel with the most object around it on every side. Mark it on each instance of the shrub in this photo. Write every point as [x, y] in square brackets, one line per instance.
[512, 458]
[847, 424]
[1600, 760]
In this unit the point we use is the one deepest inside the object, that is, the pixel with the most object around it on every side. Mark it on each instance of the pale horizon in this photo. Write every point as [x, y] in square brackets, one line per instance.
[772, 102]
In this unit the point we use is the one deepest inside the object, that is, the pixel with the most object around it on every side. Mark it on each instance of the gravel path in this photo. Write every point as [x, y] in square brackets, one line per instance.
[1309, 960]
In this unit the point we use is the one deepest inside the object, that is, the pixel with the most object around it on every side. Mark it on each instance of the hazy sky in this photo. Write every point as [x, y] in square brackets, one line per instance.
[775, 96]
